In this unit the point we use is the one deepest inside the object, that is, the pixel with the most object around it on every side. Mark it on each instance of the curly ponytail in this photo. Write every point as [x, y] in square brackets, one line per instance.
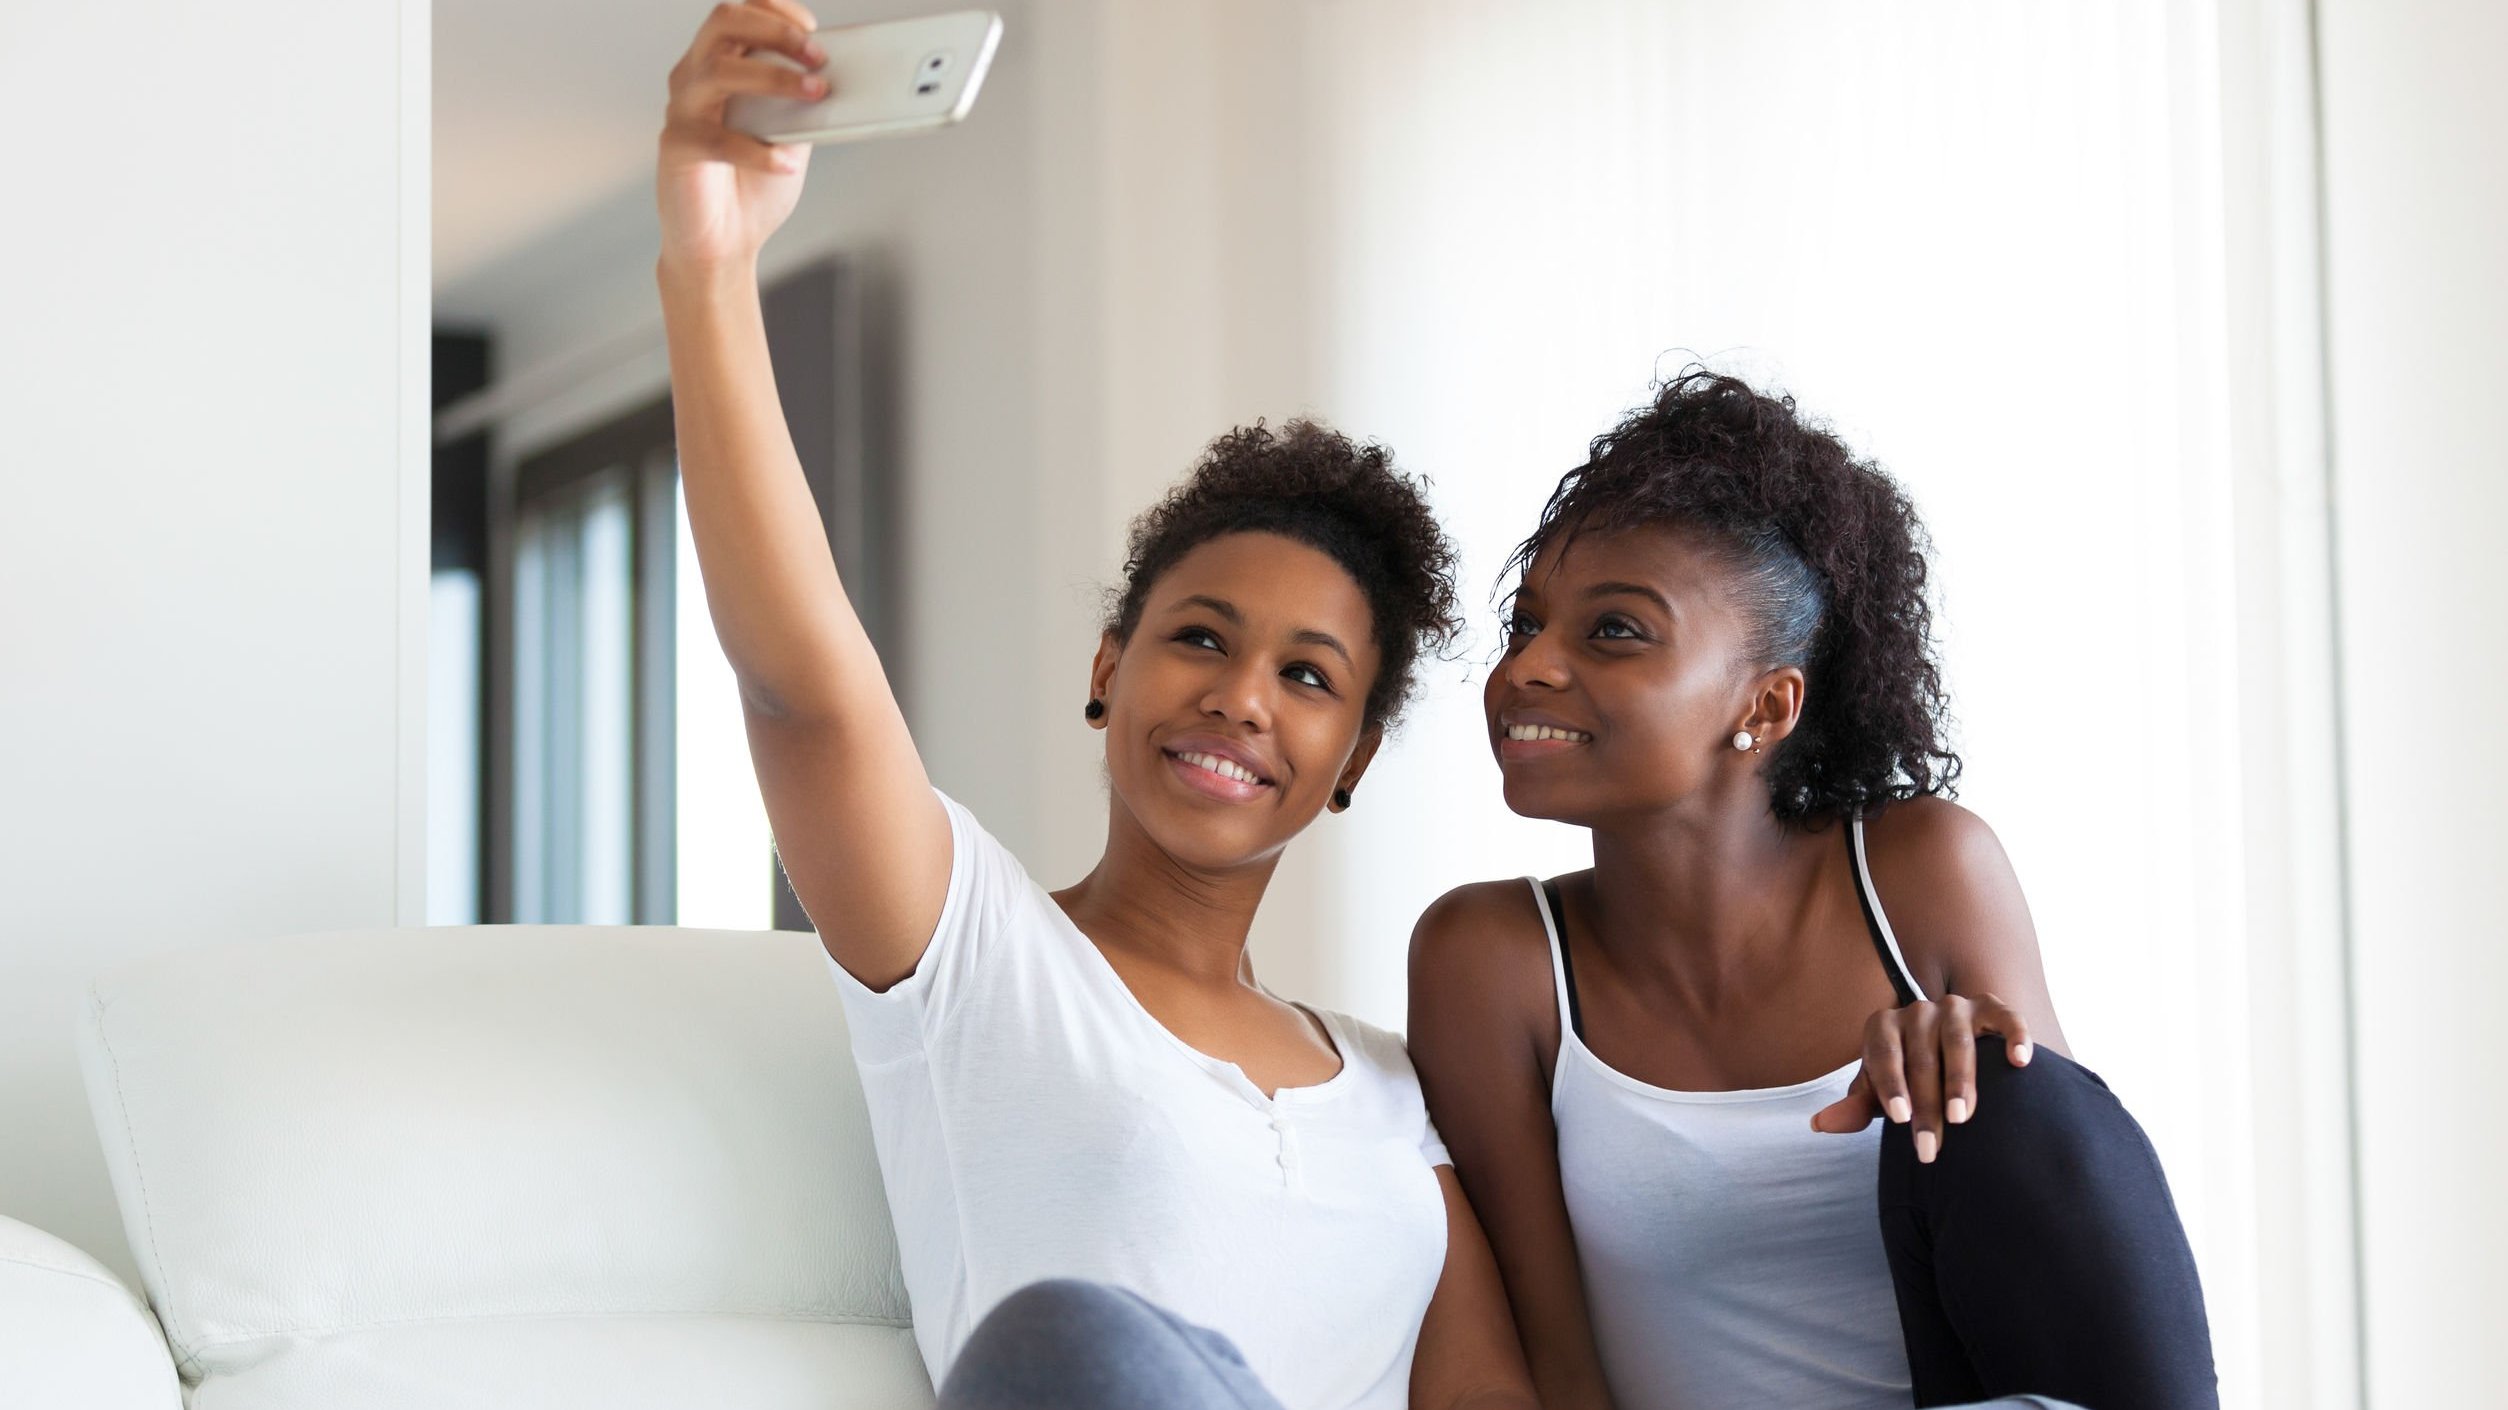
[1828, 564]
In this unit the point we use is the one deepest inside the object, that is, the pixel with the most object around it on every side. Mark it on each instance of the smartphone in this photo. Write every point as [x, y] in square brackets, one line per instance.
[896, 76]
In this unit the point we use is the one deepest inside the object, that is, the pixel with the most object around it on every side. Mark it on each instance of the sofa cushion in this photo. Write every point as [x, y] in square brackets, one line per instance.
[498, 1146]
[71, 1334]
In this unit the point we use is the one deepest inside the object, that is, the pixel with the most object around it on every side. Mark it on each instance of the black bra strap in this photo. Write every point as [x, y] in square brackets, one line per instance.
[1567, 970]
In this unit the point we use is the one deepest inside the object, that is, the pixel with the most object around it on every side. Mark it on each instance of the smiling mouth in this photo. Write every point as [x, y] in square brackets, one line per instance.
[1528, 734]
[1217, 776]
[1228, 769]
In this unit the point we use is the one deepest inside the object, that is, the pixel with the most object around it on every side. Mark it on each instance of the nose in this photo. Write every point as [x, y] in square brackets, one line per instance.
[1538, 662]
[1242, 694]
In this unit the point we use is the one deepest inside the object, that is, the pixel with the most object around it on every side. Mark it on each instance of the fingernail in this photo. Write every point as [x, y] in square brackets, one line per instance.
[1926, 1144]
[1956, 1110]
[1900, 1111]
[2020, 1054]
[814, 54]
[814, 85]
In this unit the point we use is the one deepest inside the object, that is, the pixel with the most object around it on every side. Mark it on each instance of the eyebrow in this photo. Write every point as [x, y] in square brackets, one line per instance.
[1220, 605]
[1632, 589]
[1305, 636]
[1308, 636]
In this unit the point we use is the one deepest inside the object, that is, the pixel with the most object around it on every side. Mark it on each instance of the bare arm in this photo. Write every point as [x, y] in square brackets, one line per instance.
[1467, 1354]
[863, 839]
[1955, 905]
[1482, 1020]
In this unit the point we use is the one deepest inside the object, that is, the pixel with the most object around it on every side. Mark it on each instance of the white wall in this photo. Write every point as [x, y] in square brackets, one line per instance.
[2416, 196]
[213, 368]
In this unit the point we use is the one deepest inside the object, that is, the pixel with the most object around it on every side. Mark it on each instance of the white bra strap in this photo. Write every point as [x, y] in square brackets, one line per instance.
[1878, 919]
[1558, 971]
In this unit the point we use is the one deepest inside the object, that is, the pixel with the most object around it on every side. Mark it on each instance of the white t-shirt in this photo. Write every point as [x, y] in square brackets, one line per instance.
[1034, 1121]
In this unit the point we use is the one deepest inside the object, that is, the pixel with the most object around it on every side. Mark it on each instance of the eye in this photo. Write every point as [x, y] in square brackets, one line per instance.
[1199, 636]
[1521, 624]
[1305, 674]
[1618, 629]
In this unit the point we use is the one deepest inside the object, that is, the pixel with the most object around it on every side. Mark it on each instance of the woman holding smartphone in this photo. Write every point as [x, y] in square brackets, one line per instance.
[1718, 659]
[1122, 1171]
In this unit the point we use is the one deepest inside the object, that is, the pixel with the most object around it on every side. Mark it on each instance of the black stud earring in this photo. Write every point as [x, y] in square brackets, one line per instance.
[1095, 710]
[1341, 798]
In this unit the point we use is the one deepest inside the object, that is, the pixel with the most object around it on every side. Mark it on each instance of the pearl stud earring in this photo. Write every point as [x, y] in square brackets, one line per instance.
[1742, 740]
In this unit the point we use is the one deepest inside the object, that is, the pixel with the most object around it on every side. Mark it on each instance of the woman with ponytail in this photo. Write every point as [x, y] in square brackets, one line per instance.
[1658, 1077]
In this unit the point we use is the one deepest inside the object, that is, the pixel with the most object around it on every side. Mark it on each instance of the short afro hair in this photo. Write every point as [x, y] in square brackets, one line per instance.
[1828, 562]
[1345, 499]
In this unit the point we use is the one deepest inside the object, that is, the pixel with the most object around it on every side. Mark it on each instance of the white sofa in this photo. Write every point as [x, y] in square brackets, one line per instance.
[494, 1166]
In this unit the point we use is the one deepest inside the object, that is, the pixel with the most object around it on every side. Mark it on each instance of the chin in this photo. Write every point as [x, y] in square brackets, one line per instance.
[1544, 800]
[1210, 837]
[1580, 795]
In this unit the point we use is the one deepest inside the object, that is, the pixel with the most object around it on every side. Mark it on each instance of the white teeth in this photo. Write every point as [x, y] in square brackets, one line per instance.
[1527, 733]
[1225, 768]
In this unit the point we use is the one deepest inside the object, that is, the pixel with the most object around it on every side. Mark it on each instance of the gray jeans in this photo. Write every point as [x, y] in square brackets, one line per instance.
[1065, 1344]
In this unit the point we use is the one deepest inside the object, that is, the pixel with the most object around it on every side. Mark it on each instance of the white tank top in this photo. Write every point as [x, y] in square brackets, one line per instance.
[1732, 1256]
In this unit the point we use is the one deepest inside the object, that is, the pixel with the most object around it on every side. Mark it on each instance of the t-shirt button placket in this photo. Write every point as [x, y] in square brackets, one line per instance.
[1290, 1174]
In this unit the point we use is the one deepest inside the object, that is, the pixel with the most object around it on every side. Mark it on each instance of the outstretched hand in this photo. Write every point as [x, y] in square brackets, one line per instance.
[1920, 1066]
[721, 191]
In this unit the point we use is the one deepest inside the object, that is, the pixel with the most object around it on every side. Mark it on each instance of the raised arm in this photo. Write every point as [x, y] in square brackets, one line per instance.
[860, 833]
[1482, 1018]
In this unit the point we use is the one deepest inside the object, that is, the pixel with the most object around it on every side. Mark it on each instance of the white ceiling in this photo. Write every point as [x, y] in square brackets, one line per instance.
[543, 108]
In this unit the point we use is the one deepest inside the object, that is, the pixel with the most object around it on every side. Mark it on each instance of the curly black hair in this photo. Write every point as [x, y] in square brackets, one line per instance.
[1344, 498]
[1828, 561]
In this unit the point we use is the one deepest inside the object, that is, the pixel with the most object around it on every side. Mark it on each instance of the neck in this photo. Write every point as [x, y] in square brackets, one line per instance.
[1704, 895]
[1142, 904]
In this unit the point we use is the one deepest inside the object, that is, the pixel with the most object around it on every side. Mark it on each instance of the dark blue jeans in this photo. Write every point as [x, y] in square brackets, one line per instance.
[2041, 1251]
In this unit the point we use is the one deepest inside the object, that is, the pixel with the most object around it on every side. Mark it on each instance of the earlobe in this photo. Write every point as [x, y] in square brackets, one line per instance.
[1355, 769]
[1102, 679]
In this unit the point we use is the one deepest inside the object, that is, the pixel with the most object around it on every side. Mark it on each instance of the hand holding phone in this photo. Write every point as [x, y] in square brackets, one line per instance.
[883, 79]
[761, 80]
[721, 192]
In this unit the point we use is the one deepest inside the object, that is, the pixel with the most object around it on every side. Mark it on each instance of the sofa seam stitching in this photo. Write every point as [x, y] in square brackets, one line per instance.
[185, 1361]
[72, 1270]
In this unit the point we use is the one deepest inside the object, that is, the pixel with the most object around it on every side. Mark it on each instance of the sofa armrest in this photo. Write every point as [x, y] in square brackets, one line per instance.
[71, 1335]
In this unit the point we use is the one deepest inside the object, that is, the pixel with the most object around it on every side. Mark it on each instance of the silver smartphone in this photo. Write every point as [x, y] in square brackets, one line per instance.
[896, 76]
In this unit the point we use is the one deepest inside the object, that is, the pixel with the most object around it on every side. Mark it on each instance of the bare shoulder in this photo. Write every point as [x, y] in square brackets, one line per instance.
[1952, 896]
[1477, 915]
[1932, 839]
[1479, 957]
